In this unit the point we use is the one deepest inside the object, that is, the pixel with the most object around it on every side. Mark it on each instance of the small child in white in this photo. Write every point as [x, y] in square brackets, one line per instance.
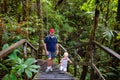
[64, 61]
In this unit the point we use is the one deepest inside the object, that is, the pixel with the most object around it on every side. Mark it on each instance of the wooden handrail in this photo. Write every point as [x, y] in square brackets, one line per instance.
[108, 50]
[11, 48]
[31, 46]
[98, 72]
[14, 46]
[62, 47]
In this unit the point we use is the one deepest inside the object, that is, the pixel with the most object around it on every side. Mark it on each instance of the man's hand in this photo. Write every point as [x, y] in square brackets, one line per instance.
[47, 52]
[57, 52]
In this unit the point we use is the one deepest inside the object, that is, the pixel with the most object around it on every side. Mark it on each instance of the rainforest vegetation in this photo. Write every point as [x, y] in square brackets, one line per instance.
[76, 22]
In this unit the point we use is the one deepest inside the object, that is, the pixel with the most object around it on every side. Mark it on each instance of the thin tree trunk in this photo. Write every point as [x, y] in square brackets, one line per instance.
[106, 17]
[5, 6]
[116, 27]
[1, 33]
[17, 14]
[29, 7]
[89, 49]
[1, 7]
[118, 12]
[40, 29]
[24, 9]
[116, 46]
[84, 73]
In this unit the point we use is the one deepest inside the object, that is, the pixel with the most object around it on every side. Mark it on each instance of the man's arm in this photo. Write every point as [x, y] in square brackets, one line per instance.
[57, 48]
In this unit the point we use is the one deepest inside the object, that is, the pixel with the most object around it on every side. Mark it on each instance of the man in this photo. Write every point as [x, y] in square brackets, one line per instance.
[51, 49]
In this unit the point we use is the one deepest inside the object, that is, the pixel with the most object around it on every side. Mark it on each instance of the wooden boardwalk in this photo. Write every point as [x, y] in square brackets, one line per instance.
[54, 75]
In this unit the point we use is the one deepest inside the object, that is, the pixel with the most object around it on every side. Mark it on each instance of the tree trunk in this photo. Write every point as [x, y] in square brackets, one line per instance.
[89, 49]
[116, 27]
[5, 6]
[29, 7]
[107, 14]
[40, 29]
[24, 9]
[118, 12]
[1, 33]
[84, 73]
[116, 45]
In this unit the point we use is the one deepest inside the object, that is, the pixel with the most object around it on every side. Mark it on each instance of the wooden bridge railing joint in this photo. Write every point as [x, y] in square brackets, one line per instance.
[23, 42]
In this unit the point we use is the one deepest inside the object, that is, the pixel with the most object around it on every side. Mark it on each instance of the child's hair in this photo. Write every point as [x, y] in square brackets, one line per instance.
[65, 53]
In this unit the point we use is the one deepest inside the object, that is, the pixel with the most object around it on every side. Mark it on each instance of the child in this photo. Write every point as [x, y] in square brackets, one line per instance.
[64, 62]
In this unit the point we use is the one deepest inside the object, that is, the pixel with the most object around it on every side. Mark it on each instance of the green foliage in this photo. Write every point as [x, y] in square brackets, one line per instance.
[20, 67]
[88, 6]
[5, 46]
[118, 36]
[10, 77]
[16, 67]
[68, 20]
[109, 72]
[108, 35]
[12, 32]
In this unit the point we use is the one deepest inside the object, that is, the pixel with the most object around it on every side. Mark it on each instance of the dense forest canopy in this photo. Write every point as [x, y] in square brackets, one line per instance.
[75, 22]
[69, 17]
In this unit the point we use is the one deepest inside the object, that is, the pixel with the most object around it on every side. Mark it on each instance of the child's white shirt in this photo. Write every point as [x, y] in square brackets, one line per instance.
[64, 62]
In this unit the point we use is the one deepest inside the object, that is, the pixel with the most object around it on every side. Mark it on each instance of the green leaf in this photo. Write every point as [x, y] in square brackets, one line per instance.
[16, 51]
[21, 69]
[35, 66]
[6, 77]
[20, 61]
[28, 73]
[111, 74]
[13, 77]
[5, 46]
[3, 67]
[33, 70]
[13, 57]
[29, 61]
[17, 67]
[9, 77]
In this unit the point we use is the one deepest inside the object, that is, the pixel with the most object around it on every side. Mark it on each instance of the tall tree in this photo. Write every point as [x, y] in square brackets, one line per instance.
[1, 33]
[5, 6]
[117, 27]
[116, 45]
[24, 9]
[89, 49]
[40, 26]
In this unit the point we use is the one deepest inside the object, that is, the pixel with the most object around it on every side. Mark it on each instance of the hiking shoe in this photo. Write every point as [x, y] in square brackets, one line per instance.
[51, 69]
[47, 70]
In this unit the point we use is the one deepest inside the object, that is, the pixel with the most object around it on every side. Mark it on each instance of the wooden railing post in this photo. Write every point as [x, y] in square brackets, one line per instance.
[25, 50]
[32, 53]
[59, 55]
[75, 69]
[92, 62]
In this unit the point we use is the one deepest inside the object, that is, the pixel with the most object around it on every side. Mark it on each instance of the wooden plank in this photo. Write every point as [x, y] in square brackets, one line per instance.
[54, 75]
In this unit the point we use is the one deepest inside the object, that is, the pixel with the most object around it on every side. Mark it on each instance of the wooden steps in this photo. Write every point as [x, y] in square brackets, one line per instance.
[54, 75]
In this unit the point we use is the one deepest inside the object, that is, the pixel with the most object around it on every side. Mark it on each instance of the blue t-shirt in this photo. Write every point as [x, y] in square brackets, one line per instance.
[50, 43]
